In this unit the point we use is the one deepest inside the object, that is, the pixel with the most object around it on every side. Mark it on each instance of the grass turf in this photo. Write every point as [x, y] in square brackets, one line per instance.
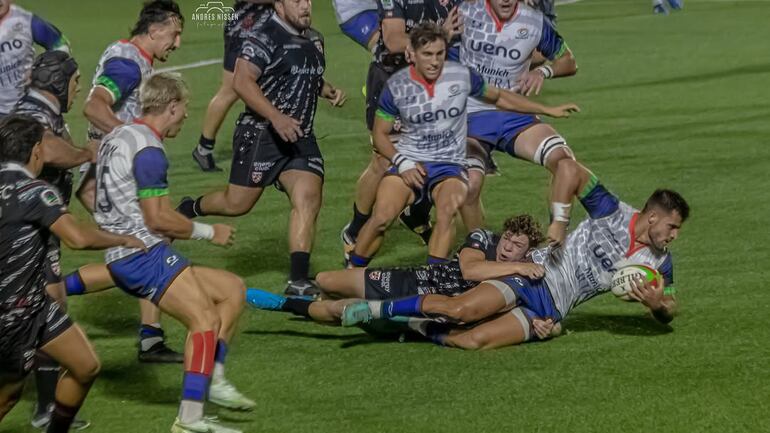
[677, 101]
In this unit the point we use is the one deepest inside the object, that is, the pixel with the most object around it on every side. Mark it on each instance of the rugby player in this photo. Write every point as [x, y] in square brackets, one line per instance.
[614, 234]
[499, 39]
[430, 97]
[52, 90]
[20, 31]
[132, 197]
[114, 101]
[659, 9]
[358, 20]
[397, 18]
[248, 16]
[279, 75]
[484, 255]
[31, 321]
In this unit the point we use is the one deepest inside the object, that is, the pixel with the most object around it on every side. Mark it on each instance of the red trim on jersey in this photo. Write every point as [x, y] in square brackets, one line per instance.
[499, 24]
[144, 53]
[429, 87]
[154, 131]
[633, 247]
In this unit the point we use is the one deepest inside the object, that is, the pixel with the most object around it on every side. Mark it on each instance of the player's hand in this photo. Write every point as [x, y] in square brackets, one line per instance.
[453, 23]
[414, 177]
[557, 232]
[531, 81]
[542, 328]
[562, 110]
[288, 128]
[530, 270]
[647, 293]
[336, 97]
[224, 235]
[133, 242]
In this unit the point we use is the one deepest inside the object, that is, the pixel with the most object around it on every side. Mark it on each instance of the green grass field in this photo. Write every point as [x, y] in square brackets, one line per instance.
[678, 101]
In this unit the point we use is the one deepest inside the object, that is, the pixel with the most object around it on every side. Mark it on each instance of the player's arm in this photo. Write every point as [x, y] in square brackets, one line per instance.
[60, 152]
[150, 168]
[48, 36]
[118, 79]
[656, 298]
[393, 22]
[335, 96]
[509, 101]
[475, 267]
[560, 61]
[81, 237]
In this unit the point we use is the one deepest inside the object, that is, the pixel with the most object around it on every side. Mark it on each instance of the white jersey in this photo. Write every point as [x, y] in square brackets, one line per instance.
[501, 51]
[121, 69]
[19, 31]
[583, 267]
[433, 116]
[344, 10]
[130, 157]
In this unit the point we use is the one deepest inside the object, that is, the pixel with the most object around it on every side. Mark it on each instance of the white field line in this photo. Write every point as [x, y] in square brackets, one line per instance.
[190, 65]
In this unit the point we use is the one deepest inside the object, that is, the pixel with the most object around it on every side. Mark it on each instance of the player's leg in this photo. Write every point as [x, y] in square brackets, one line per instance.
[448, 196]
[478, 303]
[234, 200]
[472, 211]
[507, 329]
[366, 191]
[152, 339]
[393, 195]
[10, 393]
[90, 278]
[345, 283]
[216, 112]
[305, 191]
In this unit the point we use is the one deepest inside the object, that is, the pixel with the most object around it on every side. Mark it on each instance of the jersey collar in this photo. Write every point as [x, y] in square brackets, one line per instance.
[154, 131]
[499, 24]
[288, 27]
[40, 97]
[144, 53]
[429, 87]
[12, 166]
[633, 247]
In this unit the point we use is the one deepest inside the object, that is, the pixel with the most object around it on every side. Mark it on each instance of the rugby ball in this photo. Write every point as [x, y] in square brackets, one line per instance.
[621, 280]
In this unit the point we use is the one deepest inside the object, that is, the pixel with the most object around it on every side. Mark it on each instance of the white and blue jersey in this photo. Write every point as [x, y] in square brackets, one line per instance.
[20, 30]
[433, 115]
[120, 71]
[358, 19]
[583, 267]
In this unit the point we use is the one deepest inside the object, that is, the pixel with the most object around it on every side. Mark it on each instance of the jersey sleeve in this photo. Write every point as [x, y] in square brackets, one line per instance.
[386, 107]
[666, 270]
[478, 239]
[258, 50]
[151, 173]
[120, 77]
[48, 36]
[551, 45]
[41, 204]
[478, 85]
[391, 9]
[597, 201]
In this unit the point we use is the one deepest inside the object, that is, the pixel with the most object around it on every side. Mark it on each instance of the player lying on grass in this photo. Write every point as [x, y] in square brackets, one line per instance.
[30, 320]
[428, 162]
[484, 255]
[132, 197]
[613, 235]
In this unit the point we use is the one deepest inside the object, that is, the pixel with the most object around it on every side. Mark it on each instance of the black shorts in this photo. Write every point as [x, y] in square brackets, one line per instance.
[390, 283]
[20, 339]
[260, 156]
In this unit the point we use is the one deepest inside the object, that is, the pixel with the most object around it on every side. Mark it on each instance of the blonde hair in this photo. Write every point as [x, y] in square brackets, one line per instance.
[161, 89]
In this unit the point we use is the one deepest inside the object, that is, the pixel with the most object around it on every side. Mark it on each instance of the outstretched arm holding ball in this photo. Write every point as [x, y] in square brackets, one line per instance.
[652, 296]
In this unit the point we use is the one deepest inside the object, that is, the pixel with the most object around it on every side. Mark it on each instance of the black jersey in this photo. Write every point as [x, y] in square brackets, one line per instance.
[448, 278]
[483, 240]
[28, 207]
[292, 66]
[36, 105]
[413, 12]
[248, 17]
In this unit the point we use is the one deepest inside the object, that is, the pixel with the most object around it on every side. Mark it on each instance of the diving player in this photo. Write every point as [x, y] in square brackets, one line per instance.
[279, 76]
[20, 31]
[132, 197]
[249, 15]
[430, 97]
[358, 20]
[114, 101]
[30, 320]
[613, 235]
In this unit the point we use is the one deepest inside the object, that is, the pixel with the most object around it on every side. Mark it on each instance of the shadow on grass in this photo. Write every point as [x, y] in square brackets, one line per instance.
[140, 382]
[313, 335]
[644, 326]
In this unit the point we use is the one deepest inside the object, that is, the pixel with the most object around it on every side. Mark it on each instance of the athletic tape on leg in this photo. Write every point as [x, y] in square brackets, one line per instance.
[547, 146]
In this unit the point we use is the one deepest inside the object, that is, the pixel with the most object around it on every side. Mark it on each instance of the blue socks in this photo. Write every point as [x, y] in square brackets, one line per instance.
[411, 306]
[433, 260]
[359, 261]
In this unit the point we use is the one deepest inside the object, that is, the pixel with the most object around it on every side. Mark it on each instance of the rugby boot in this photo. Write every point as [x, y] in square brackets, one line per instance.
[203, 425]
[659, 9]
[264, 300]
[223, 393]
[161, 354]
[302, 288]
[40, 420]
[355, 313]
[205, 162]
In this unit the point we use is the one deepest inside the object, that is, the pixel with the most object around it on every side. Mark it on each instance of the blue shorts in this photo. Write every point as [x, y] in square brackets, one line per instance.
[499, 129]
[534, 297]
[437, 172]
[361, 27]
[148, 275]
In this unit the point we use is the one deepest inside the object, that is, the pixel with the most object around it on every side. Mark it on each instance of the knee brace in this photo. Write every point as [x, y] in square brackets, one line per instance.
[547, 146]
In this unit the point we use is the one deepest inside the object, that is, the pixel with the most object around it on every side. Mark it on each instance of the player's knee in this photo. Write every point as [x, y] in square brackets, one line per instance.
[445, 212]
[307, 202]
[380, 221]
[466, 341]
[556, 157]
[475, 183]
[323, 279]
[205, 319]
[567, 168]
[238, 207]
[463, 313]
[87, 371]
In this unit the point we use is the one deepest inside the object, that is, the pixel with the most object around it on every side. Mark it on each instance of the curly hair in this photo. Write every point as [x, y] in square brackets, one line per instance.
[525, 225]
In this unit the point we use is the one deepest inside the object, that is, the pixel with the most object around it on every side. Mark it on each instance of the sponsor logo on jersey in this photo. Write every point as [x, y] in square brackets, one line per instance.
[50, 198]
[495, 50]
[15, 44]
[454, 90]
[434, 116]
[374, 275]
[522, 33]
[387, 4]
[172, 260]
[213, 14]
[307, 70]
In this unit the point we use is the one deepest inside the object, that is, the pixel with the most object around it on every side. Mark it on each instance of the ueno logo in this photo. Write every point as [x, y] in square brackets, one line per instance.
[492, 49]
[433, 116]
[15, 44]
